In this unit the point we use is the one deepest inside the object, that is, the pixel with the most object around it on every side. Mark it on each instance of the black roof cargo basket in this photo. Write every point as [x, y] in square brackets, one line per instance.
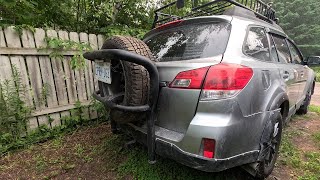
[216, 7]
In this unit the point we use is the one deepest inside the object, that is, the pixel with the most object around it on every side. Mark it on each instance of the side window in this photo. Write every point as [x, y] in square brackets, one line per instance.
[273, 51]
[296, 56]
[256, 44]
[282, 49]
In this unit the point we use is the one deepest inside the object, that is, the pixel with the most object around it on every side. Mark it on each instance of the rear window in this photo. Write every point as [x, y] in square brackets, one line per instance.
[190, 42]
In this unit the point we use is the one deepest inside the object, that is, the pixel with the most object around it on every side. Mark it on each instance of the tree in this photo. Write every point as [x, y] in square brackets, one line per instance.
[92, 16]
[300, 20]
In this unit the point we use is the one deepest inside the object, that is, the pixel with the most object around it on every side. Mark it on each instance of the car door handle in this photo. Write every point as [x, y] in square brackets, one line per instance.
[301, 73]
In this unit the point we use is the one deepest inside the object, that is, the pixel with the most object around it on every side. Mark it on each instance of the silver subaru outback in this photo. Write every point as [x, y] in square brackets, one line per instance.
[228, 84]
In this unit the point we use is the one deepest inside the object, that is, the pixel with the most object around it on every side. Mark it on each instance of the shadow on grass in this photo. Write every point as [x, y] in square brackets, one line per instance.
[134, 162]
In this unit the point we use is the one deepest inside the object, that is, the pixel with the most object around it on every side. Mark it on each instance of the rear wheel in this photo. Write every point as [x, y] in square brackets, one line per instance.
[266, 165]
[128, 78]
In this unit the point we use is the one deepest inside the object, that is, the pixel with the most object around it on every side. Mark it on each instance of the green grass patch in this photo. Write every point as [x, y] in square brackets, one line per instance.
[316, 138]
[308, 163]
[314, 108]
[289, 153]
[138, 166]
[135, 163]
[311, 166]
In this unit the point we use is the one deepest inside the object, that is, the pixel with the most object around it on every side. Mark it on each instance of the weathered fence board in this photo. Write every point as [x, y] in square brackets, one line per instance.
[32, 51]
[40, 73]
[2, 41]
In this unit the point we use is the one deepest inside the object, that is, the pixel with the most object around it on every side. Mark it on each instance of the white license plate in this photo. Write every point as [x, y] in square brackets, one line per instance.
[103, 72]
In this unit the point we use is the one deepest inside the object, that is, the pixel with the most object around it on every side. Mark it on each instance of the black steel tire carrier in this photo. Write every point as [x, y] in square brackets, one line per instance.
[110, 101]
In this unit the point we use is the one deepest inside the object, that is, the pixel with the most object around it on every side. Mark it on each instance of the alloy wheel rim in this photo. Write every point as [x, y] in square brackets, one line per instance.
[273, 145]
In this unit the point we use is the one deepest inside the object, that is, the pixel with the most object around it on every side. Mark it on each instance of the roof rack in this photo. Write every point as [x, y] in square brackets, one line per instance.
[216, 7]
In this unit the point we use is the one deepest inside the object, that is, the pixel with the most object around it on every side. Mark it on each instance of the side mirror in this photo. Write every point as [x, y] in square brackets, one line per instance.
[312, 61]
[180, 4]
[305, 61]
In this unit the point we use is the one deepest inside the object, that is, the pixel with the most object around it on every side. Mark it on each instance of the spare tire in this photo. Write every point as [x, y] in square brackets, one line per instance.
[129, 78]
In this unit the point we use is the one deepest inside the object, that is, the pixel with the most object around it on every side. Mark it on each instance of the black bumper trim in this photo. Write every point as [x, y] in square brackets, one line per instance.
[169, 150]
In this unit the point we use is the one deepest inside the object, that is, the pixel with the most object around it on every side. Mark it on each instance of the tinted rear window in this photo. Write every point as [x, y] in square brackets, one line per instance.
[190, 42]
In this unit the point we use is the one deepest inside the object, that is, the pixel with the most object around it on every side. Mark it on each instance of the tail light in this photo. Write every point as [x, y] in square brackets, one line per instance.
[217, 82]
[192, 79]
[225, 81]
[208, 147]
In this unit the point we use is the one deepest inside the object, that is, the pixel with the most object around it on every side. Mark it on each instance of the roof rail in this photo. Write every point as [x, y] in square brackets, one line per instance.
[216, 7]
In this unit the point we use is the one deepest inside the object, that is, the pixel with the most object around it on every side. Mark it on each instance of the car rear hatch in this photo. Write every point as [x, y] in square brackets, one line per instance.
[185, 48]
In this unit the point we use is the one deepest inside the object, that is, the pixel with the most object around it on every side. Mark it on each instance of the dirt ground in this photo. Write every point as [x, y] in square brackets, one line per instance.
[94, 153]
[316, 96]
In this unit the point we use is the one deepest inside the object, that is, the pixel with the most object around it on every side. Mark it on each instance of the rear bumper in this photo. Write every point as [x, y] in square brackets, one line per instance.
[170, 150]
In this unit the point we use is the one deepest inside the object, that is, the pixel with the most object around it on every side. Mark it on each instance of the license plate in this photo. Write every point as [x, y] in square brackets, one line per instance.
[103, 72]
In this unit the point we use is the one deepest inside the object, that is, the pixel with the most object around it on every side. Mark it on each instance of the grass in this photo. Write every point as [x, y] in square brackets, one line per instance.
[289, 153]
[41, 163]
[314, 108]
[138, 166]
[316, 138]
[89, 154]
[134, 162]
[311, 166]
[306, 163]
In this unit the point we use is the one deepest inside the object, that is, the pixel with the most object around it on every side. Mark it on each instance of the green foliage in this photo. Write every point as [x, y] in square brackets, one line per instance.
[37, 13]
[77, 118]
[123, 30]
[309, 162]
[314, 108]
[317, 71]
[14, 112]
[288, 151]
[44, 94]
[58, 45]
[93, 16]
[299, 19]
[14, 115]
[136, 164]
[20, 28]
[316, 138]
[97, 106]
[188, 5]
[43, 133]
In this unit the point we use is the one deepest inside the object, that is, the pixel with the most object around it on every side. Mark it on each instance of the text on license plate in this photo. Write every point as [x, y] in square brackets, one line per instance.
[103, 72]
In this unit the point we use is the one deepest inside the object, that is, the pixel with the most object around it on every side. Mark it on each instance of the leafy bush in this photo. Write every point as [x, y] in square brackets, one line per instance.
[58, 45]
[14, 112]
[123, 30]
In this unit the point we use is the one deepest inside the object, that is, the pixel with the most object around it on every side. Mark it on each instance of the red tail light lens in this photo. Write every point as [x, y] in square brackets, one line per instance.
[227, 77]
[225, 81]
[192, 79]
[218, 81]
[208, 148]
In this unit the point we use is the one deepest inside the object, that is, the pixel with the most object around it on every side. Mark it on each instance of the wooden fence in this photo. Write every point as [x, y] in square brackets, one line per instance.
[37, 69]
